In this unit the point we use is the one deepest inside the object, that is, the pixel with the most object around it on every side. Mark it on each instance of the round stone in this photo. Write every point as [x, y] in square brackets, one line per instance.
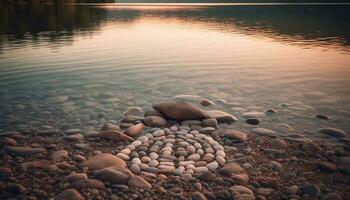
[136, 143]
[123, 156]
[158, 133]
[208, 157]
[146, 159]
[217, 147]
[197, 145]
[136, 161]
[154, 155]
[209, 150]
[125, 151]
[220, 160]
[213, 166]
[200, 152]
[153, 163]
[143, 139]
[221, 153]
[135, 168]
[194, 157]
[191, 149]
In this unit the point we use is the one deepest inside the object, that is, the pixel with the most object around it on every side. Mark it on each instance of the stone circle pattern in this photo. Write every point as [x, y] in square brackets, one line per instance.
[174, 150]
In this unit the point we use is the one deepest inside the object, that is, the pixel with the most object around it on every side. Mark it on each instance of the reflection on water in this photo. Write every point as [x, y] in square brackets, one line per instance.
[313, 25]
[78, 66]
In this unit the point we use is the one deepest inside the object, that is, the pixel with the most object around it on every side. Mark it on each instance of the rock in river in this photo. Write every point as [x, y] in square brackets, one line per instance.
[135, 130]
[221, 117]
[233, 134]
[181, 111]
[24, 151]
[104, 160]
[115, 135]
[155, 121]
[332, 132]
[263, 131]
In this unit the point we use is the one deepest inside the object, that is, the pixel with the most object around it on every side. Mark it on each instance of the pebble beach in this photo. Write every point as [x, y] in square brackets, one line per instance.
[174, 150]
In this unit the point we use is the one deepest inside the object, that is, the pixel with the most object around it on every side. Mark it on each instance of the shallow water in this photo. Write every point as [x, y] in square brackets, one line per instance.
[78, 66]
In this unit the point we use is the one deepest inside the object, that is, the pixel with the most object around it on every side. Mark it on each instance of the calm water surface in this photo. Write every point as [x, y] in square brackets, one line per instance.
[78, 66]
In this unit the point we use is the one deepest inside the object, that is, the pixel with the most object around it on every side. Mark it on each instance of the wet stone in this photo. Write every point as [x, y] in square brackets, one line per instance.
[252, 121]
[311, 190]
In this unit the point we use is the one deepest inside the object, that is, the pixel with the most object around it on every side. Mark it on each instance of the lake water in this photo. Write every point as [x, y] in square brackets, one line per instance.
[76, 66]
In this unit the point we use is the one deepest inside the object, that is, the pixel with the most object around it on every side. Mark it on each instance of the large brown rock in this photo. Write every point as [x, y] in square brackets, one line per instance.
[104, 160]
[181, 111]
[115, 135]
[135, 130]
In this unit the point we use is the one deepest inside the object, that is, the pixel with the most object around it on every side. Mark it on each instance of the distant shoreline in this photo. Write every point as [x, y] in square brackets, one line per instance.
[203, 4]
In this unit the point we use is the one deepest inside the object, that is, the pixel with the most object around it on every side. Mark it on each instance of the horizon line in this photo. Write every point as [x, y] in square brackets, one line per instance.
[199, 4]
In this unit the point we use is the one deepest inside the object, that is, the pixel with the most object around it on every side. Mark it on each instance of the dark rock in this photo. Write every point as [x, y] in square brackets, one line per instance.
[271, 111]
[181, 111]
[252, 121]
[321, 116]
[24, 151]
[313, 191]
[15, 188]
[206, 176]
[332, 132]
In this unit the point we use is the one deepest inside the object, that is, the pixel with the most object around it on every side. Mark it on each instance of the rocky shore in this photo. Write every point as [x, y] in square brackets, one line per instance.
[174, 150]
